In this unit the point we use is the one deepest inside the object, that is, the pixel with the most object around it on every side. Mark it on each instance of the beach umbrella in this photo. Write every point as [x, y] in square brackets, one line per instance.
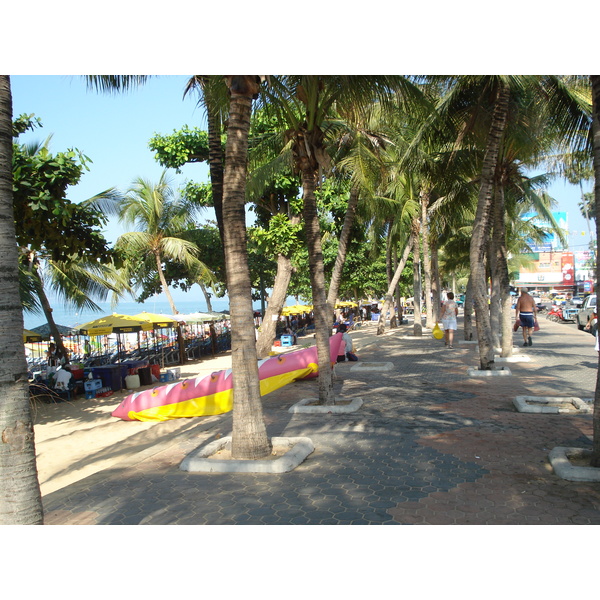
[158, 321]
[31, 336]
[198, 317]
[346, 304]
[296, 309]
[44, 330]
[115, 323]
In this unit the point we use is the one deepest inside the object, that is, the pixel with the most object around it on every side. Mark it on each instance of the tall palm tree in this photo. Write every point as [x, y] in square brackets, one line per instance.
[249, 432]
[20, 497]
[304, 104]
[249, 435]
[476, 98]
[161, 222]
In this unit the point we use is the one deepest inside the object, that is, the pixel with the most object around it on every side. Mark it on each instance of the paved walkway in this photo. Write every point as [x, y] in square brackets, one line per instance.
[430, 445]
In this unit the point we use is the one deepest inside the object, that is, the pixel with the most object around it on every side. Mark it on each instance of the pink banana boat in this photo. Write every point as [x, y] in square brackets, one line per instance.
[213, 394]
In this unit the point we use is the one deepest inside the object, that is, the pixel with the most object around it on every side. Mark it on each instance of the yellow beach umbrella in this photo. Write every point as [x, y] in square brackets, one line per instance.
[346, 304]
[158, 321]
[115, 323]
[296, 309]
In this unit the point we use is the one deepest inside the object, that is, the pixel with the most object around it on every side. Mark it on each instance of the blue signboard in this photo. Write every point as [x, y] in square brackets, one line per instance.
[551, 242]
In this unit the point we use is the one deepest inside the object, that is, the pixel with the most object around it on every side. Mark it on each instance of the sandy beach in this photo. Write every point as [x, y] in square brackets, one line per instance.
[79, 438]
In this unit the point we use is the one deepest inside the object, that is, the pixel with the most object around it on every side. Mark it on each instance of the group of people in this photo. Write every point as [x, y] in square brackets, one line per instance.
[525, 315]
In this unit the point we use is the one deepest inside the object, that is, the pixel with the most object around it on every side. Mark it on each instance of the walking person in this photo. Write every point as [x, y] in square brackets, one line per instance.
[525, 311]
[449, 316]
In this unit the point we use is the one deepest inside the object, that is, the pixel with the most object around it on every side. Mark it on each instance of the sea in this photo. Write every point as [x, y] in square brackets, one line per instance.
[189, 303]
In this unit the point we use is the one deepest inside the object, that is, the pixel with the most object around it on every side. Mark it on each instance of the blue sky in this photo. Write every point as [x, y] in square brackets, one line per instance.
[114, 130]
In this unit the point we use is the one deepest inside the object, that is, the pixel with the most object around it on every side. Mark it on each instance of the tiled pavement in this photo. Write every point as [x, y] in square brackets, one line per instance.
[429, 446]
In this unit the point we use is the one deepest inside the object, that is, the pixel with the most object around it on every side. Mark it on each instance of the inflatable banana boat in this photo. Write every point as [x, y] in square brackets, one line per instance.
[213, 394]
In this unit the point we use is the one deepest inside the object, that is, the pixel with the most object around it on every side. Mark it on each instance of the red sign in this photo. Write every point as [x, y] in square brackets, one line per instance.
[567, 265]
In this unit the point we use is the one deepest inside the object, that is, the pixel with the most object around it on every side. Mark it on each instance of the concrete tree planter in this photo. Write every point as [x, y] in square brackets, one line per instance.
[551, 405]
[372, 366]
[476, 372]
[288, 453]
[306, 406]
[516, 358]
[562, 460]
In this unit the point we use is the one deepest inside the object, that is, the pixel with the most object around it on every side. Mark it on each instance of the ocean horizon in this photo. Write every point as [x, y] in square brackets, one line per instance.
[70, 317]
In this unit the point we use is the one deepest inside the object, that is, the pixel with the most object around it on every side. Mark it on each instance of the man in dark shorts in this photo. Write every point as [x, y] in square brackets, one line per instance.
[525, 311]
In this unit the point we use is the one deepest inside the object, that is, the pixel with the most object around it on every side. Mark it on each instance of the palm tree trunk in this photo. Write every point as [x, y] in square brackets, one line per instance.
[436, 298]
[501, 275]
[392, 309]
[45, 303]
[206, 297]
[322, 310]
[249, 435]
[336, 276]
[494, 294]
[595, 80]
[20, 498]
[163, 282]
[215, 158]
[397, 295]
[468, 311]
[424, 199]
[268, 327]
[389, 296]
[418, 324]
[481, 227]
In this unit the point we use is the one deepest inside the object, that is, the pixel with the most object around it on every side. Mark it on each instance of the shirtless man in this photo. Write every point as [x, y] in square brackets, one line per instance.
[526, 311]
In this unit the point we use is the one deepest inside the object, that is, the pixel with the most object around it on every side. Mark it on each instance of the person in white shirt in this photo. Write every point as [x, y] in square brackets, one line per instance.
[449, 315]
[62, 378]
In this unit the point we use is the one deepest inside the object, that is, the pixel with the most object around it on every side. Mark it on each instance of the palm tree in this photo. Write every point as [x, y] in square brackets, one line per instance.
[249, 435]
[162, 222]
[249, 432]
[76, 283]
[304, 105]
[564, 111]
[20, 498]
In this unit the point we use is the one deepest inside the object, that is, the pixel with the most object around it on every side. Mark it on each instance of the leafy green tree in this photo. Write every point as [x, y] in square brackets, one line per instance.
[280, 239]
[60, 242]
[185, 145]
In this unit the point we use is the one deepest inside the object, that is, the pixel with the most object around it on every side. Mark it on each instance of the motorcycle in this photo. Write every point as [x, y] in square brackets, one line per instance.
[558, 315]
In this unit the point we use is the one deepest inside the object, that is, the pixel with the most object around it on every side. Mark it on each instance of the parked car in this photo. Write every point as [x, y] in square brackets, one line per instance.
[577, 301]
[588, 309]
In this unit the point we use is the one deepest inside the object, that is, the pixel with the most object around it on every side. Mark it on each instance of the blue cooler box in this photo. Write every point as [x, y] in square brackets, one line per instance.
[287, 340]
